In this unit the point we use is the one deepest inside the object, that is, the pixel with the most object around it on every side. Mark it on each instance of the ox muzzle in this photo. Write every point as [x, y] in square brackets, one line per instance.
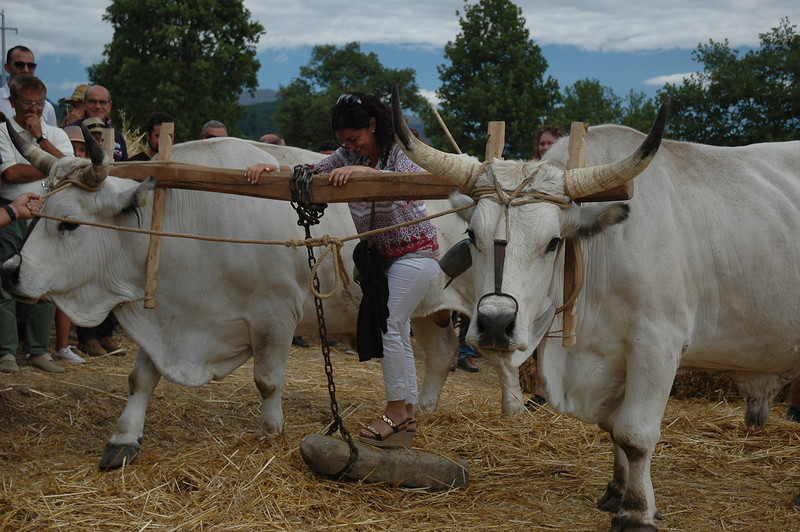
[496, 315]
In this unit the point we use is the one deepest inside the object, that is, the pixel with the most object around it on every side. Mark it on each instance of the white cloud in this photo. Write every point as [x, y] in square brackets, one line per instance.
[430, 96]
[674, 79]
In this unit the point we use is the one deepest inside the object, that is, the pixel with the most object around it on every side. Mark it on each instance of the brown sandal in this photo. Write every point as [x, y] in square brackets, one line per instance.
[396, 439]
[410, 432]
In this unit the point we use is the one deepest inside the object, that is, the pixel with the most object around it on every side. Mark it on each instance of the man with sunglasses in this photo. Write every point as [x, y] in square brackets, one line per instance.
[18, 176]
[20, 60]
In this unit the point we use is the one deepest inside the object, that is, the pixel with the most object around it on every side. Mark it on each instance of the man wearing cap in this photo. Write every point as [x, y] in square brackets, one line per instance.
[75, 104]
[98, 105]
[20, 60]
[17, 176]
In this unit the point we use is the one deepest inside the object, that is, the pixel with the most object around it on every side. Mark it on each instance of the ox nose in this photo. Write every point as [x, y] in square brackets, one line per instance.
[9, 271]
[496, 321]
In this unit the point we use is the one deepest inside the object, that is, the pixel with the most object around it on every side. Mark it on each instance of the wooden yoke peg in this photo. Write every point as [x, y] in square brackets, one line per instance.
[497, 140]
[157, 222]
[573, 255]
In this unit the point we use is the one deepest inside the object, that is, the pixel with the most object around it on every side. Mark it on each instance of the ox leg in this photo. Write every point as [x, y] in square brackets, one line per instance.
[123, 445]
[636, 430]
[513, 400]
[611, 501]
[439, 345]
[271, 357]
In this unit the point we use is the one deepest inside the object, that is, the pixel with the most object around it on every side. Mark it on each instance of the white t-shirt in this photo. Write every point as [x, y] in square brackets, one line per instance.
[49, 113]
[10, 156]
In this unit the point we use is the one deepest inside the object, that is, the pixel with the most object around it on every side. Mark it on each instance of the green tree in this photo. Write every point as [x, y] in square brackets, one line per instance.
[496, 72]
[741, 100]
[589, 101]
[304, 104]
[191, 59]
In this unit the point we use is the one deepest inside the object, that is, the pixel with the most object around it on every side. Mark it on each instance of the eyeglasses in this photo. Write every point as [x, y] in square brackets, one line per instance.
[31, 103]
[22, 64]
[348, 98]
[98, 102]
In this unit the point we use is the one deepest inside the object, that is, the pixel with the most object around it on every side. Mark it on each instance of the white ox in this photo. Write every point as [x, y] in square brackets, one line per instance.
[217, 303]
[702, 274]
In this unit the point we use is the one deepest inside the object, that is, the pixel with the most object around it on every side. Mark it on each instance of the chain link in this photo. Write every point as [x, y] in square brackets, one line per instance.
[309, 214]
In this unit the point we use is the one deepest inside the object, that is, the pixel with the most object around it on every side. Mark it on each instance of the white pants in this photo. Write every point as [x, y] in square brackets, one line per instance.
[409, 280]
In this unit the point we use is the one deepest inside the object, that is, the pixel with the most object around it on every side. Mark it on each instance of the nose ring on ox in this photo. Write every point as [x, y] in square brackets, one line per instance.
[496, 318]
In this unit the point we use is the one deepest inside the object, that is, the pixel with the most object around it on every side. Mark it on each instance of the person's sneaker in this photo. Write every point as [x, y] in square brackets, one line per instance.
[467, 364]
[111, 346]
[92, 348]
[8, 364]
[44, 362]
[69, 355]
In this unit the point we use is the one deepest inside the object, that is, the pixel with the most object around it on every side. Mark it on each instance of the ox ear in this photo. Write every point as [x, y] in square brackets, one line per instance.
[594, 219]
[457, 199]
[131, 199]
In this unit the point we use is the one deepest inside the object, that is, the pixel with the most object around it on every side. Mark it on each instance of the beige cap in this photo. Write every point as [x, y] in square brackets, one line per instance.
[77, 95]
[94, 123]
[74, 133]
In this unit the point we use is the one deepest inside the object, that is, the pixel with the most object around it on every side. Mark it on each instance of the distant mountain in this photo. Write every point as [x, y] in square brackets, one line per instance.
[260, 96]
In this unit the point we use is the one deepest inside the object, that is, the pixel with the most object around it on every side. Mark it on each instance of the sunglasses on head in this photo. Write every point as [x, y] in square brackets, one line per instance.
[348, 98]
[22, 64]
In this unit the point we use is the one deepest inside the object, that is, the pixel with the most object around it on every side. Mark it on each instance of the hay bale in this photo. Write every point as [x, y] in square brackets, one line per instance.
[396, 466]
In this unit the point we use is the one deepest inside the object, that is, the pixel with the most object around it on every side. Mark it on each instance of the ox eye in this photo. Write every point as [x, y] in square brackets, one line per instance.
[471, 235]
[553, 245]
[67, 226]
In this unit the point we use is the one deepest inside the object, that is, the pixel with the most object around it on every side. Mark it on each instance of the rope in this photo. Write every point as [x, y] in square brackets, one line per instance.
[332, 244]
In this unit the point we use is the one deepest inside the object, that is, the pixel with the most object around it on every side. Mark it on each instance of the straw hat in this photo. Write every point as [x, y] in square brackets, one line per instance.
[77, 95]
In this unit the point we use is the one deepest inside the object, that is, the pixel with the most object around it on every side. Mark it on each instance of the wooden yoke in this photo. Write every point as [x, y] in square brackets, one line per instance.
[107, 142]
[497, 140]
[157, 223]
[573, 255]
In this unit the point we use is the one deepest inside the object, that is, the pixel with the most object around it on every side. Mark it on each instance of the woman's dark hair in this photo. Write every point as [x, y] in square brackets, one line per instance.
[354, 111]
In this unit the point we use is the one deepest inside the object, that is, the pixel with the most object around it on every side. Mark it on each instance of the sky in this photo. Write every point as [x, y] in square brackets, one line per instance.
[625, 45]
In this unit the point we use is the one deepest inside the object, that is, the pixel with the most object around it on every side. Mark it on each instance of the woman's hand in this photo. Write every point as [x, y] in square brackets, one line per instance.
[340, 176]
[252, 173]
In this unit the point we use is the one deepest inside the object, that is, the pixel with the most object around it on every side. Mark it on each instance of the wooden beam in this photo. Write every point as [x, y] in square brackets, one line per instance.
[157, 223]
[572, 247]
[496, 141]
[385, 186]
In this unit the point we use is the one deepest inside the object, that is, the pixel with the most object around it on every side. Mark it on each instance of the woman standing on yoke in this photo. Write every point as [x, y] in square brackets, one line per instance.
[363, 125]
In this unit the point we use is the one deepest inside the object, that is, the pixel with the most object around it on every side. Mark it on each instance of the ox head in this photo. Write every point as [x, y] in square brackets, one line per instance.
[79, 267]
[524, 211]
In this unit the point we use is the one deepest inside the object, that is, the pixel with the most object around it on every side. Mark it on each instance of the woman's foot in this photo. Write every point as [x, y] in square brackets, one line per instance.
[385, 433]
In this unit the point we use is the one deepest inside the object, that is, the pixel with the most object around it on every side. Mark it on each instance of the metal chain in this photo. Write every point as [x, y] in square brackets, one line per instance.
[309, 214]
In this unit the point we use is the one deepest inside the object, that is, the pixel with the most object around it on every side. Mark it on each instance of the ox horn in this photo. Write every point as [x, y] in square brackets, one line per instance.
[39, 158]
[456, 168]
[94, 175]
[581, 182]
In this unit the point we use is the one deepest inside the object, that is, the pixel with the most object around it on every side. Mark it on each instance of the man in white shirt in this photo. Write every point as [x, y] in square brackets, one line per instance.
[20, 60]
[18, 176]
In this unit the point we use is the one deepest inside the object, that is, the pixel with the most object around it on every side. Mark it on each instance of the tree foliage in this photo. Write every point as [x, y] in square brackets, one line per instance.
[496, 72]
[303, 112]
[190, 59]
[741, 100]
[589, 101]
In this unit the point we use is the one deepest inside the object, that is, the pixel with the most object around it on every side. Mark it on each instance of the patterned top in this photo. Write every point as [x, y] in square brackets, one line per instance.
[417, 240]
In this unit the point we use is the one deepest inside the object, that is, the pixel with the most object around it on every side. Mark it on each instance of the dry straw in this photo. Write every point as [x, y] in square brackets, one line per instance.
[204, 466]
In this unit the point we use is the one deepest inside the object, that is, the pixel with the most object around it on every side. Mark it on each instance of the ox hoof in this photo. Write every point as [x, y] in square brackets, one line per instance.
[611, 501]
[115, 456]
[396, 467]
[797, 501]
[624, 523]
